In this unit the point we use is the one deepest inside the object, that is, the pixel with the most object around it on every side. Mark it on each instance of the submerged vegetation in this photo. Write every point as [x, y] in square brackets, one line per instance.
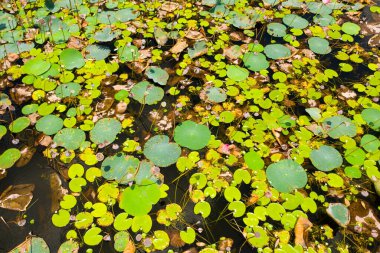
[265, 113]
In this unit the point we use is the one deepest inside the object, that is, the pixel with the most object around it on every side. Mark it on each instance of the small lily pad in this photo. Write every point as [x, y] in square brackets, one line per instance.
[105, 131]
[237, 73]
[319, 45]
[255, 61]
[146, 93]
[339, 213]
[188, 236]
[161, 152]
[372, 117]
[157, 74]
[19, 124]
[9, 158]
[92, 236]
[276, 51]
[36, 67]
[71, 59]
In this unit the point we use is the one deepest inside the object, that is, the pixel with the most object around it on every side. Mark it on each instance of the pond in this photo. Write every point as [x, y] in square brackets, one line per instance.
[189, 126]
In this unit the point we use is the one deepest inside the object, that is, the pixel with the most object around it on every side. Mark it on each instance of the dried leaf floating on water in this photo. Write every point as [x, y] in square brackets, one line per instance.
[17, 197]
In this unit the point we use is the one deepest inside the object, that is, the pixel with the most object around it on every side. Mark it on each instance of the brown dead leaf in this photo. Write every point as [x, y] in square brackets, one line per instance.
[57, 191]
[301, 230]
[194, 35]
[131, 248]
[179, 46]
[21, 94]
[169, 6]
[26, 155]
[17, 197]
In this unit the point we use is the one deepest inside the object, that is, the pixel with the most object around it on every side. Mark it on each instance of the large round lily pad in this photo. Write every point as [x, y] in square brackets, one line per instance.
[276, 29]
[71, 58]
[326, 158]
[295, 21]
[372, 117]
[255, 61]
[138, 199]
[157, 74]
[105, 131]
[237, 73]
[192, 135]
[120, 168]
[286, 175]
[277, 51]
[161, 152]
[36, 67]
[67, 90]
[147, 93]
[49, 124]
[338, 126]
[319, 45]
[70, 138]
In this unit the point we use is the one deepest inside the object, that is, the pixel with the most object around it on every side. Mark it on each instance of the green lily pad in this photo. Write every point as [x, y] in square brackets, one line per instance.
[69, 247]
[161, 240]
[326, 158]
[128, 53]
[32, 244]
[254, 160]
[121, 240]
[157, 74]
[9, 158]
[49, 124]
[188, 236]
[370, 143]
[295, 21]
[338, 126]
[105, 131]
[83, 220]
[137, 200]
[67, 90]
[146, 93]
[161, 152]
[71, 59]
[276, 29]
[19, 124]
[192, 135]
[120, 168]
[68, 202]
[355, 156]
[61, 219]
[215, 95]
[255, 61]
[36, 67]
[238, 208]
[92, 236]
[258, 237]
[339, 213]
[3, 131]
[351, 28]
[286, 175]
[319, 45]
[142, 222]
[97, 52]
[276, 51]
[122, 222]
[237, 73]
[200, 48]
[29, 109]
[372, 117]
[70, 138]
[203, 208]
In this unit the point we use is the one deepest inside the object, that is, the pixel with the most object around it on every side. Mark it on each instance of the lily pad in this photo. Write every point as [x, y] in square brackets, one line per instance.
[19, 124]
[372, 117]
[32, 244]
[192, 135]
[120, 168]
[161, 152]
[128, 53]
[146, 93]
[255, 61]
[137, 200]
[338, 126]
[319, 45]
[339, 213]
[9, 158]
[351, 28]
[69, 247]
[286, 175]
[70, 138]
[157, 74]
[326, 158]
[49, 124]
[276, 29]
[237, 73]
[92, 236]
[215, 95]
[71, 59]
[105, 131]
[188, 236]
[36, 67]
[295, 21]
[276, 51]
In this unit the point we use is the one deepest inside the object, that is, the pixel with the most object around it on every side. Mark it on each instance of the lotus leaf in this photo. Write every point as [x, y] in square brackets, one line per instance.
[120, 168]
[70, 138]
[71, 59]
[295, 21]
[9, 158]
[319, 45]
[338, 126]
[29, 109]
[49, 124]
[372, 117]
[146, 93]
[276, 29]
[19, 124]
[339, 213]
[241, 21]
[105, 131]
[192, 135]
[237, 73]
[92, 236]
[128, 54]
[326, 158]
[286, 175]
[36, 67]
[131, 198]
[219, 11]
[157, 74]
[255, 61]
[161, 152]
[276, 51]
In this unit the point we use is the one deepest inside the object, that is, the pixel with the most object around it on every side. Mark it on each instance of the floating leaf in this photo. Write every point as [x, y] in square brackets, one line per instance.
[254, 160]
[9, 158]
[276, 29]
[351, 28]
[255, 61]
[295, 21]
[188, 236]
[338, 126]
[128, 53]
[319, 45]
[339, 213]
[32, 244]
[372, 117]
[61, 219]
[97, 52]
[49, 124]
[92, 236]
[277, 51]
[237, 73]
[70, 138]
[161, 240]
[192, 135]
[121, 240]
[146, 93]
[370, 143]
[215, 95]
[105, 131]
[203, 208]
[161, 152]
[157, 74]
[36, 67]
[19, 124]
[69, 247]
[71, 58]
[286, 175]
[120, 168]
[326, 158]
